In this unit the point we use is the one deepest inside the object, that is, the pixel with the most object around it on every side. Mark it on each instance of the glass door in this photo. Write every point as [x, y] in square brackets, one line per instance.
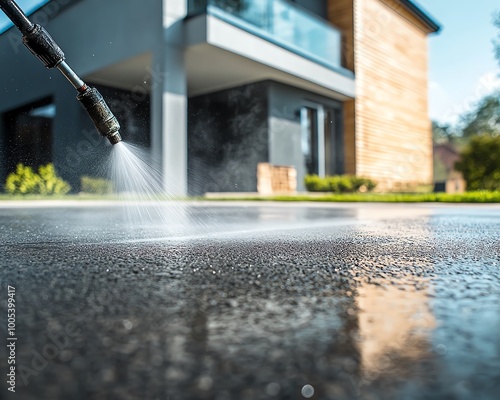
[322, 140]
[310, 136]
[334, 142]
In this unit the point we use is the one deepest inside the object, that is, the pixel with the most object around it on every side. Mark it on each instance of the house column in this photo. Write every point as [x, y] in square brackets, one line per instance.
[169, 100]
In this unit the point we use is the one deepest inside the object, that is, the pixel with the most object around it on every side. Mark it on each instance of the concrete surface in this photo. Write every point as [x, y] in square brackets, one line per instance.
[252, 301]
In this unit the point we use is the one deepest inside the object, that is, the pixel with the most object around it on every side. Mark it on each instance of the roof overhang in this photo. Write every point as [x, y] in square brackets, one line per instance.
[427, 20]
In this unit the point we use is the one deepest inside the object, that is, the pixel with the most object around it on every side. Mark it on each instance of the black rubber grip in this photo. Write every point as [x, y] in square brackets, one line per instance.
[41, 44]
[99, 112]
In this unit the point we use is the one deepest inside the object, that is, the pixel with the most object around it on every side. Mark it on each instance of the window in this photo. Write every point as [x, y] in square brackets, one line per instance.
[28, 136]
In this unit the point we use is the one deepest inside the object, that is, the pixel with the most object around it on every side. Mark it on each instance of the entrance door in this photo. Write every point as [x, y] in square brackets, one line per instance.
[322, 140]
[334, 142]
[310, 137]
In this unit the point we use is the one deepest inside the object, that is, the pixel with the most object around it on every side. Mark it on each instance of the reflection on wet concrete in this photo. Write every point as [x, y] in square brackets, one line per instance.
[372, 339]
[393, 324]
[385, 306]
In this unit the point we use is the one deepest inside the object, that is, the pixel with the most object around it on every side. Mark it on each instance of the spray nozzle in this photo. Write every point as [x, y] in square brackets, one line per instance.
[104, 120]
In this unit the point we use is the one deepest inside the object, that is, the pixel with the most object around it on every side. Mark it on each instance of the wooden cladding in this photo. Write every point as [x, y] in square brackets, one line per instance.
[341, 13]
[389, 129]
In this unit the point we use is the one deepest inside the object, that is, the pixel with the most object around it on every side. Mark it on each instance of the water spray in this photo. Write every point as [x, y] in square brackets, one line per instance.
[43, 46]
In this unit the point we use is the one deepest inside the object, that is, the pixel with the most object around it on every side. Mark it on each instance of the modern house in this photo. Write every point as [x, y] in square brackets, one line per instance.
[216, 86]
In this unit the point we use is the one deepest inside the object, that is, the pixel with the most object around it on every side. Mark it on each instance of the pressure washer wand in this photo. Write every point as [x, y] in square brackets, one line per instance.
[41, 44]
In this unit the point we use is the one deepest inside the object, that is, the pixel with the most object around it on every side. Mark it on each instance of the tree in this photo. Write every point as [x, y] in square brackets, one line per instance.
[232, 6]
[442, 133]
[484, 119]
[480, 163]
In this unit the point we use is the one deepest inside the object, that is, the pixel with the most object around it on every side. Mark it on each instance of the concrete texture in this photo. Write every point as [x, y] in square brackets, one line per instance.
[243, 301]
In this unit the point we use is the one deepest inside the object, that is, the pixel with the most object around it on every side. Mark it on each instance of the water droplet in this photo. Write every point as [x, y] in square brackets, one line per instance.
[205, 383]
[307, 391]
[127, 324]
[441, 349]
[273, 389]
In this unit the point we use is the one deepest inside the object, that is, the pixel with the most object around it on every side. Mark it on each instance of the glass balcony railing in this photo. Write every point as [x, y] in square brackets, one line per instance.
[280, 22]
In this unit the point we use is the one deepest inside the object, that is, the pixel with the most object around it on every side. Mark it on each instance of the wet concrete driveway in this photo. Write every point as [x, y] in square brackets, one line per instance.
[253, 301]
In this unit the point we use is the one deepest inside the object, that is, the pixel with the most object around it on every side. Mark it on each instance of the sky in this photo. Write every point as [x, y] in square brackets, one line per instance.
[462, 66]
[26, 5]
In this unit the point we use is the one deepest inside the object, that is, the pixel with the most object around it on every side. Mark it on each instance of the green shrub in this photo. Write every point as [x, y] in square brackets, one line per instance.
[50, 183]
[45, 182]
[339, 184]
[316, 184]
[480, 163]
[361, 184]
[96, 185]
[23, 181]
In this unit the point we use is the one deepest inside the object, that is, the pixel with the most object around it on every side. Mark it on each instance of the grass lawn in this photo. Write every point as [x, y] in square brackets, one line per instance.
[93, 197]
[10, 197]
[470, 197]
